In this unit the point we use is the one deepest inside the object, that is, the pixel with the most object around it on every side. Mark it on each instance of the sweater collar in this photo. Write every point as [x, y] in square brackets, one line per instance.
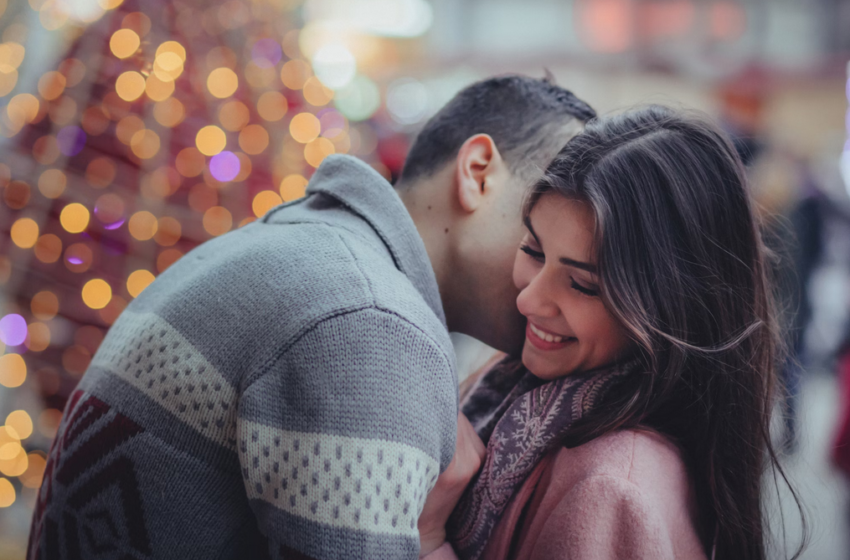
[366, 193]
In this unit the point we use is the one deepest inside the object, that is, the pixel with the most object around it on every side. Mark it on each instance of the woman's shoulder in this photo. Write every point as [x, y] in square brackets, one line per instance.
[640, 456]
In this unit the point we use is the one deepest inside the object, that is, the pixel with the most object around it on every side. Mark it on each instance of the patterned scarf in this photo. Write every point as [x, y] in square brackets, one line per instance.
[520, 418]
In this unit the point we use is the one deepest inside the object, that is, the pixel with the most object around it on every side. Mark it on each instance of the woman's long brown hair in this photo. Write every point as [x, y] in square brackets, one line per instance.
[683, 266]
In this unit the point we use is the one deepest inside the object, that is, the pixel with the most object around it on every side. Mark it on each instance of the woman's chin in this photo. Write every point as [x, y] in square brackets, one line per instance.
[540, 366]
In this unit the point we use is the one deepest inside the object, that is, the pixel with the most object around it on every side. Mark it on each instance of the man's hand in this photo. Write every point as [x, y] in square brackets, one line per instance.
[469, 454]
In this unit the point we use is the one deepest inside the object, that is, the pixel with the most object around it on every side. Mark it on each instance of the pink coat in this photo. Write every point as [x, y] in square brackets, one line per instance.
[624, 495]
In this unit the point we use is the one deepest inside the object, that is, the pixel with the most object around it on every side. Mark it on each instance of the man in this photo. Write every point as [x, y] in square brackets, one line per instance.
[289, 388]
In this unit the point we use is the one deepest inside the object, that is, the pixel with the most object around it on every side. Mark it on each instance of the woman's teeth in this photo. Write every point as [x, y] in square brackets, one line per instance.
[545, 336]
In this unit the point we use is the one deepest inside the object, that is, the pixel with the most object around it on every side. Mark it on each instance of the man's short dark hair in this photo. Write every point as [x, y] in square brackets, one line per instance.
[527, 118]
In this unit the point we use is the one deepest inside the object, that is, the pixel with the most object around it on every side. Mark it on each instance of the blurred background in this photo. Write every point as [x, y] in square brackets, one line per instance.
[131, 131]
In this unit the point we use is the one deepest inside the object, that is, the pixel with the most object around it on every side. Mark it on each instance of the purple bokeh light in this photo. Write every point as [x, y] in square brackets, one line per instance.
[75, 260]
[114, 225]
[13, 329]
[266, 53]
[71, 140]
[225, 166]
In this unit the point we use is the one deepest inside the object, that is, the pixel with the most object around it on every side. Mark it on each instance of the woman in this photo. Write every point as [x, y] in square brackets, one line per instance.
[637, 424]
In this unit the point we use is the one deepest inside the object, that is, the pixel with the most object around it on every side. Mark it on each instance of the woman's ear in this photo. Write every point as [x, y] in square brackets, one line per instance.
[477, 160]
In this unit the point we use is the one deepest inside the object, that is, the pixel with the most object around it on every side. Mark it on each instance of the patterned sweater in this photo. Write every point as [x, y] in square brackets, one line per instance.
[285, 388]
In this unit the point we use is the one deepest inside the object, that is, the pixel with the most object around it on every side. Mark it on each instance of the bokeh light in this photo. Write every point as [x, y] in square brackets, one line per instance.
[24, 233]
[44, 305]
[272, 106]
[217, 220]
[7, 493]
[210, 140]
[293, 187]
[124, 43]
[48, 248]
[305, 127]
[130, 85]
[265, 201]
[138, 281]
[74, 217]
[21, 422]
[222, 82]
[225, 166]
[13, 329]
[13, 370]
[96, 293]
[52, 183]
[71, 140]
[253, 139]
[234, 115]
[143, 225]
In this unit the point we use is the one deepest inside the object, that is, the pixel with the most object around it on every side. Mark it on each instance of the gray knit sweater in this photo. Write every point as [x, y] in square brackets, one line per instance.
[289, 386]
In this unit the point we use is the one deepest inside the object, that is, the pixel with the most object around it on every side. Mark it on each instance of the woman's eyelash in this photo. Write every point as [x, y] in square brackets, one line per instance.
[536, 255]
[586, 291]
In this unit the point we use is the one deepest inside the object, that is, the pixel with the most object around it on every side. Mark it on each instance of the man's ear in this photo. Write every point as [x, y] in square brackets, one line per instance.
[477, 160]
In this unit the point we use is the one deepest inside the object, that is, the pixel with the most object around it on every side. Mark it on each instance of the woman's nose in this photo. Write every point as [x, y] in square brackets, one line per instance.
[536, 299]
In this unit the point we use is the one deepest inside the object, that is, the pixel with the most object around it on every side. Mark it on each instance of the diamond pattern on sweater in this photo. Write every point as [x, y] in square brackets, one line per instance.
[147, 352]
[372, 485]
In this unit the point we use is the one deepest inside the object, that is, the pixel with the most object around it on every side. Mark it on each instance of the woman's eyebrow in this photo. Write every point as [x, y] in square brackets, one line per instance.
[563, 260]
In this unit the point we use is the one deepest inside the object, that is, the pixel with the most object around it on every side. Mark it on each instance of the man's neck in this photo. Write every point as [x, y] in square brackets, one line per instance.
[429, 205]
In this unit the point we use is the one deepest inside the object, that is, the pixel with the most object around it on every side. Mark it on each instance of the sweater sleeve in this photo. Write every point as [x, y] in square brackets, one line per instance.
[341, 438]
[604, 518]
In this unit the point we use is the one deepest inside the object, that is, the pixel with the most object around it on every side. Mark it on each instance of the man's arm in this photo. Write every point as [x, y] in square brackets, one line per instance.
[341, 437]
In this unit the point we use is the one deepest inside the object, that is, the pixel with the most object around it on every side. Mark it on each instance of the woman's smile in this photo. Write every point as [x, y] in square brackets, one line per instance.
[547, 340]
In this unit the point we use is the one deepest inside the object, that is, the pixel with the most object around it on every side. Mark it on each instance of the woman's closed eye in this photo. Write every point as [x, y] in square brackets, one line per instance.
[591, 292]
[536, 255]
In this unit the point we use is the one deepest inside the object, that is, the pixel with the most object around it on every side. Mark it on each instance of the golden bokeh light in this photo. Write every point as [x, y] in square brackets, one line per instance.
[11, 56]
[316, 151]
[293, 187]
[172, 47]
[130, 85]
[51, 85]
[7, 493]
[127, 128]
[109, 4]
[158, 90]
[143, 225]
[35, 471]
[74, 217]
[211, 140]
[48, 248]
[8, 81]
[96, 293]
[272, 106]
[52, 183]
[16, 463]
[145, 144]
[100, 172]
[190, 162]
[13, 370]
[253, 139]
[222, 82]
[169, 231]
[295, 73]
[124, 43]
[22, 109]
[316, 93]
[245, 167]
[217, 220]
[138, 281]
[21, 422]
[234, 115]
[305, 127]
[168, 66]
[38, 337]
[24, 233]
[44, 305]
[167, 258]
[169, 113]
[265, 201]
